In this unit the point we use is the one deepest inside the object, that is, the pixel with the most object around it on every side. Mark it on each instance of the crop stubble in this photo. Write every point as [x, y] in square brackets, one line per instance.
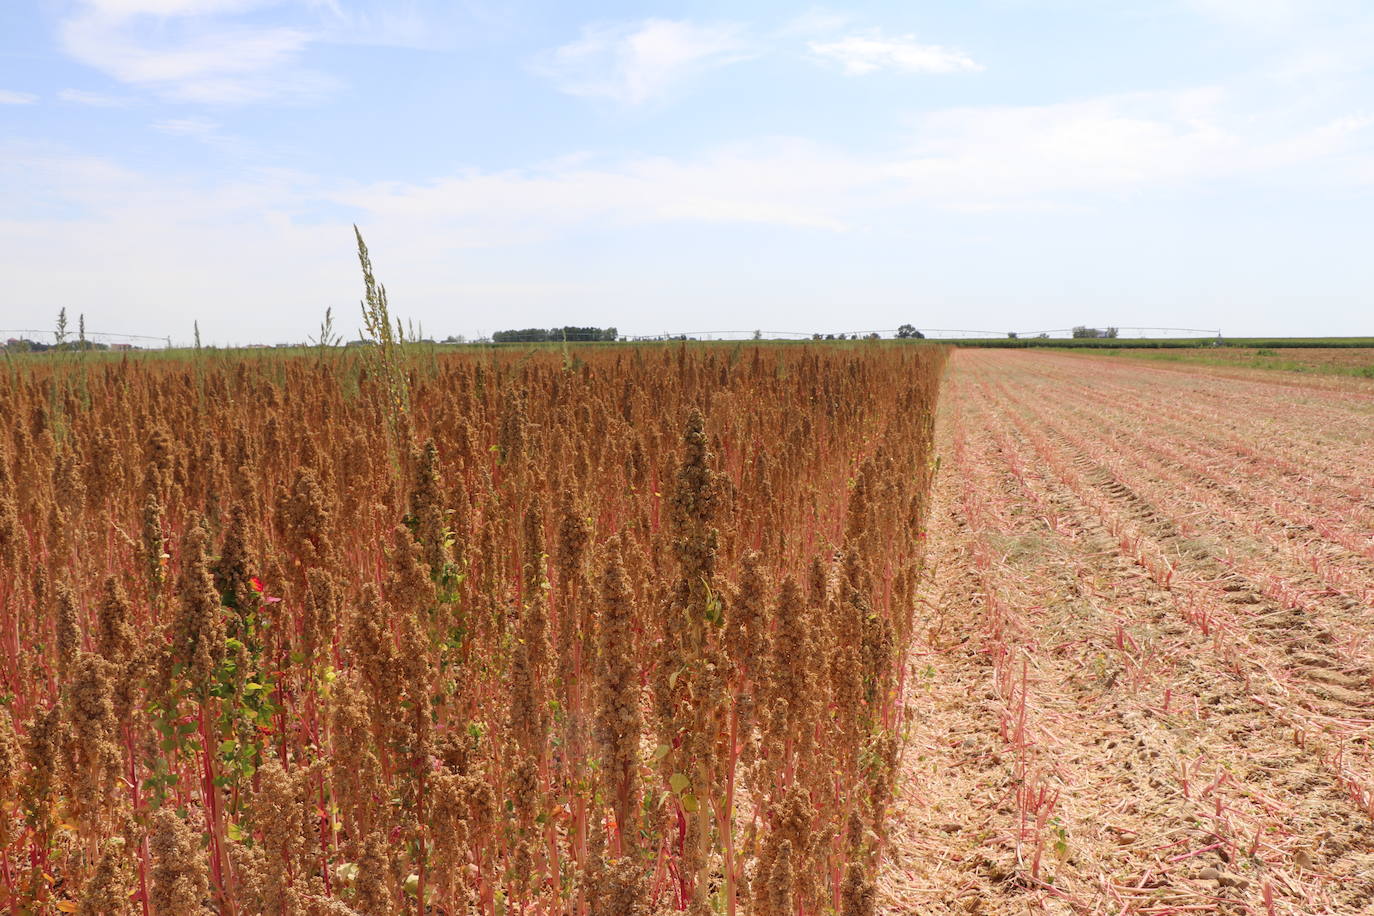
[1144, 680]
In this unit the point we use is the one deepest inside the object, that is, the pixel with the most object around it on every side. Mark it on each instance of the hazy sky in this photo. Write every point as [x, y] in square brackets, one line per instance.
[1005, 164]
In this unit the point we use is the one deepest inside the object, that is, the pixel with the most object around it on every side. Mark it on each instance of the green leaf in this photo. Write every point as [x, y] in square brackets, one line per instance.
[235, 832]
[679, 783]
[689, 803]
[661, 751]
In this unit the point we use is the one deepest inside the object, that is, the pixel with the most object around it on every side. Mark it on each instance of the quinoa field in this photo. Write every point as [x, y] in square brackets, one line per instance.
[607, 632]
[800, 630]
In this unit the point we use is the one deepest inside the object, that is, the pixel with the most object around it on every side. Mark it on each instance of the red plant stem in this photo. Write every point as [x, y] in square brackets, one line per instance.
[211, 794]
[136, 802]
[660, 871]
[9, 878]
[420, 838]
[326, 834]
[682, 877]
[579, 828]
[486, 892]
[727, 822]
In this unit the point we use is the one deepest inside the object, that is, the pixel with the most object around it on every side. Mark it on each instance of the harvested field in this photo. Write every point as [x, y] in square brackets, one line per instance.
[1144, 680]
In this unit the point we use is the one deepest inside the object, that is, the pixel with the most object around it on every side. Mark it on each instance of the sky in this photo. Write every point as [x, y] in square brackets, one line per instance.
[688, 167]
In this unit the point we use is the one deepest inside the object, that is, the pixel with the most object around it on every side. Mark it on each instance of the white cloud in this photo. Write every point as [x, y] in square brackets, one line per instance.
[981, 158]
[1257, 14]
[1313, 46]
[868, 52]
[8, 97]
[197, 128]
[87, 231]
[93, 99]
[990, 156]
[966, 158]
[816, 22]
[783, 182]
[634, 63]
[193, 53]
[171, 8]
[1012, 156]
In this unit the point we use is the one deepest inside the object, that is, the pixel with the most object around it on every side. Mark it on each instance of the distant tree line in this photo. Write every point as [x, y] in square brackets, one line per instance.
[556, 335]
[1081, 331]
[24, 345]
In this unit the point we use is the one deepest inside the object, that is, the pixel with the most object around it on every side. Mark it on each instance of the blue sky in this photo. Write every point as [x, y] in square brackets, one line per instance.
[1005, 164]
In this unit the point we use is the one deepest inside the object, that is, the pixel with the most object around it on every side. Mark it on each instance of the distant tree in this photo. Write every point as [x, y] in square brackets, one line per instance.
[1011, 335]
[24, 345]
[1082, 331]
[758, 335]
[526, 335]
[567, 334]
[909, 332]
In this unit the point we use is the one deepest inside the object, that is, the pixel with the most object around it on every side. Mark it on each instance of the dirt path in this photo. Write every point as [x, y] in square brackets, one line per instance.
[1144, 685]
